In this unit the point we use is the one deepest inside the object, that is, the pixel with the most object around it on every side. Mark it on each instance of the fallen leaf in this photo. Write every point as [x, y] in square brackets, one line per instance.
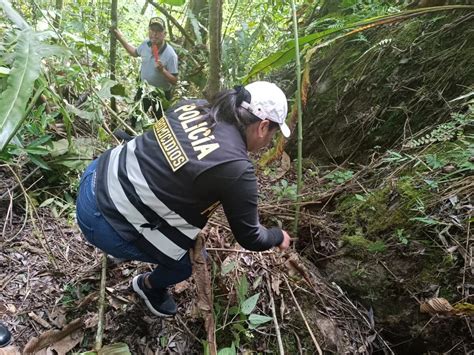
[181, 287]
[436, 305]
[51, 337]
[67, 343]
[284, 167]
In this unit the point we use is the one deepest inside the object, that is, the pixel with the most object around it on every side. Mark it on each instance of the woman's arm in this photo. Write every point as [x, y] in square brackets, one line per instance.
[235, 184]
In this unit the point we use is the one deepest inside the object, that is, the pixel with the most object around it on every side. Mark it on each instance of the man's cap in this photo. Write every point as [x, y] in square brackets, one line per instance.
[268, 102]
[158, 22]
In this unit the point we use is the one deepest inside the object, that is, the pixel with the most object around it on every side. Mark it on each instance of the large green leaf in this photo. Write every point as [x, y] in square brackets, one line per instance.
[115, 349]
[25, 70]
[286, 54]
[4, 71]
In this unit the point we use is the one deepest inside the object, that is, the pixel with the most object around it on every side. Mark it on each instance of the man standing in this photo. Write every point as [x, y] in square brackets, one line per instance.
[159, 62]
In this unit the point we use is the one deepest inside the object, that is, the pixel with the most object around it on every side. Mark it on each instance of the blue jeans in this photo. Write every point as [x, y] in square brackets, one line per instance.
[100, 233]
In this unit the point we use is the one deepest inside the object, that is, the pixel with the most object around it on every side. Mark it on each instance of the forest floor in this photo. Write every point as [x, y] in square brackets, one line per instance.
[334, 291]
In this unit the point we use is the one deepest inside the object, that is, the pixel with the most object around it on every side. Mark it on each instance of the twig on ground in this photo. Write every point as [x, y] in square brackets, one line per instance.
[239, 251]
[10, 191]
[318, 348]
[467, 259]
[275, 320]
[204, 290]
[9, 214]
[187, 329]
[39, 320]
[298, 342]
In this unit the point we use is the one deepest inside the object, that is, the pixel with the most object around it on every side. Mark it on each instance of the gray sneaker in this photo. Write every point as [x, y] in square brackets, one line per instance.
[158, 301]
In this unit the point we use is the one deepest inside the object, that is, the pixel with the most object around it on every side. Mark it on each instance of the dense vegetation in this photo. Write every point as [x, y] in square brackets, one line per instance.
[383, 252]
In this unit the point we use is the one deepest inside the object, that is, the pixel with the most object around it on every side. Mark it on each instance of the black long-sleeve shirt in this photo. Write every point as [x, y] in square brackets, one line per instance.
[235, 185]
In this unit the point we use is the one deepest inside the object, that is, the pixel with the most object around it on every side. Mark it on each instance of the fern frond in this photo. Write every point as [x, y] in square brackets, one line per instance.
[445, 131]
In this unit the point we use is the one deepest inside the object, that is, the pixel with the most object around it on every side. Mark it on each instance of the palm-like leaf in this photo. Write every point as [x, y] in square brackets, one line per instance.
[25, 70]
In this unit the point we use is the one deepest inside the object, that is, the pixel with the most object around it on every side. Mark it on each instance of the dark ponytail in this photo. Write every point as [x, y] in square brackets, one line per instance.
[225, 107]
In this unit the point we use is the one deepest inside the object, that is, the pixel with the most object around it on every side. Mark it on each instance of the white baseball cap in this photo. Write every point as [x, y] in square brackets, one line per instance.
[268, 102]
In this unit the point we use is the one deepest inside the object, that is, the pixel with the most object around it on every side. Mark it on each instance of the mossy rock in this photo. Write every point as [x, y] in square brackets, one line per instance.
[382, 211]
[358, 246]
[366, 93]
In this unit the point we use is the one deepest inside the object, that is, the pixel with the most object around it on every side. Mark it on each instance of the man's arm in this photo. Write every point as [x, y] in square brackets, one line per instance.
[128, 47]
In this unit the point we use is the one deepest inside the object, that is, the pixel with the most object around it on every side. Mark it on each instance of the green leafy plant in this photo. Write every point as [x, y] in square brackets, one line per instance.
[397, 158]
[352, 26]
[402, 236]
[72, 293]
[60, 207]
[340, 176]
[433, 161]
[243, 317]
[285, 190]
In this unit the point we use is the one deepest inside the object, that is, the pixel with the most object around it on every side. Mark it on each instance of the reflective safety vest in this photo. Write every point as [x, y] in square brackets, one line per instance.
[145, 190]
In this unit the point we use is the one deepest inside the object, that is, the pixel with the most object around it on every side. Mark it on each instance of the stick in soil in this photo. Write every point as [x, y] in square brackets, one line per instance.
[320, 352]
[275, 320]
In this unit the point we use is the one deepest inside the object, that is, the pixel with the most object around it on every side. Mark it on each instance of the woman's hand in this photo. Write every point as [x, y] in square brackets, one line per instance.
[286, 241]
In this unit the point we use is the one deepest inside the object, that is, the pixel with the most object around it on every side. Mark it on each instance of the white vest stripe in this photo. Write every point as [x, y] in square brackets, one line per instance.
[133, 216]
[147, 196]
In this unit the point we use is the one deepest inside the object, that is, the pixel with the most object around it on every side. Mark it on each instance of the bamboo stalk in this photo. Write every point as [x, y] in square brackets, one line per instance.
[299, 182]
[101, 323]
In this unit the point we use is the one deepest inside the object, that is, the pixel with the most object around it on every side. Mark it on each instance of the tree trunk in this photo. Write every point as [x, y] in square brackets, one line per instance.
[215, 28]
[113, 49]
